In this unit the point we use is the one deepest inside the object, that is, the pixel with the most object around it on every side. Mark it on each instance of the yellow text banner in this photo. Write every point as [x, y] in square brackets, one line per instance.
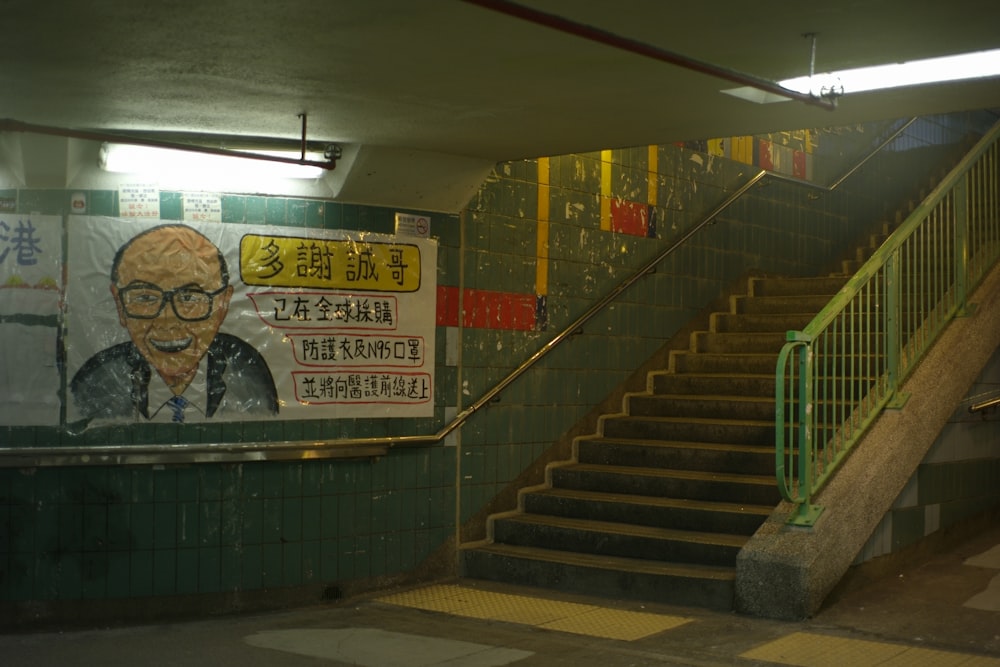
[288, 261]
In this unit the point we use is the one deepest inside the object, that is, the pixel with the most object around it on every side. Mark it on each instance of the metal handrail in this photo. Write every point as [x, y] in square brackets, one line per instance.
[375, 446]
[872, 334]
[985, 405]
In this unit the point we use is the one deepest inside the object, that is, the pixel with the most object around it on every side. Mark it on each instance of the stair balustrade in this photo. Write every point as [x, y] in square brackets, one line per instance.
[836, 375]
[659, 501]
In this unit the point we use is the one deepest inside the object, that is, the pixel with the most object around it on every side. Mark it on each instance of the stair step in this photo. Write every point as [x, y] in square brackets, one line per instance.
[717, 384]
[796, 286]
[759, 322]
[735, 363]
[744, 431]
[851, 266]
[607, 538]
[810, 303]
[689, 484]
[681, 514]
[611, 576]
[754, 342]
[701, 405]
[721, 457]
[862, 373]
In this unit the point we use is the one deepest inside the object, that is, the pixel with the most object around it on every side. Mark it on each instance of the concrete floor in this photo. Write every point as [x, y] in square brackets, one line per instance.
[942, 611]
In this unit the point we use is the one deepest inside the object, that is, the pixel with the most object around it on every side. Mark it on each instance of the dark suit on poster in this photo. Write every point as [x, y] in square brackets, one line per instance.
[114, 383]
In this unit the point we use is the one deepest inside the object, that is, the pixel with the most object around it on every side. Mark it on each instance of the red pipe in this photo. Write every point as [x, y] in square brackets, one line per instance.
[604, 37]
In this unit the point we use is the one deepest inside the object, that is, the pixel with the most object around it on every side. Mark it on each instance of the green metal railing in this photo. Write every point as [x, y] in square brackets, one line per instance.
[835, 376]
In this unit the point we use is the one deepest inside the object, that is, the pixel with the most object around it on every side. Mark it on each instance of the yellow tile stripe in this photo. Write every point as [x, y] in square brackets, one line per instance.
[741, 149]
[652, 175]
[806, 649]
[606, 190]
[571, 617]
[542, 241]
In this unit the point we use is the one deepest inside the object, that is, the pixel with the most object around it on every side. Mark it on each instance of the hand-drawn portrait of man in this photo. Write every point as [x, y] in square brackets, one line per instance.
[171, 288]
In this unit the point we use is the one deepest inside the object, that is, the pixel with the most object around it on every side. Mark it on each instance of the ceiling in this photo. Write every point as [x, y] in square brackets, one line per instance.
[439, 88]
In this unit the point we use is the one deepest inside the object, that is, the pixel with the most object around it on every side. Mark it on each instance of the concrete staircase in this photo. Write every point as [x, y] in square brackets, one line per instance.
[658, 503]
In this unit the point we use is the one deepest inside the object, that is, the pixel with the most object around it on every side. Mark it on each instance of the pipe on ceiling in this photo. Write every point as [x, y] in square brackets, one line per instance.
[10, 125]
[610, 39]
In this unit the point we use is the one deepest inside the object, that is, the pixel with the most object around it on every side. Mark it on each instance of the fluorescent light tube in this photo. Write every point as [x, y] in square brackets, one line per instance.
[168, 163]
[978, 65]
[897, 75]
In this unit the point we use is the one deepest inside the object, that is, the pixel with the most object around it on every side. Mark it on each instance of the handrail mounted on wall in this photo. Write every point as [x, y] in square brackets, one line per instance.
[376, 446]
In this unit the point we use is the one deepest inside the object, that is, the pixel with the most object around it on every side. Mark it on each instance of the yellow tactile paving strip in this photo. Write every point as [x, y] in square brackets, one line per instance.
[580, 619]
[807, 649]
[801, 649]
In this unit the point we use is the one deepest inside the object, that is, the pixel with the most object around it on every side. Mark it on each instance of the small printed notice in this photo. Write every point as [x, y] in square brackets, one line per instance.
[413, 225]
[139, 200]
[201, 207]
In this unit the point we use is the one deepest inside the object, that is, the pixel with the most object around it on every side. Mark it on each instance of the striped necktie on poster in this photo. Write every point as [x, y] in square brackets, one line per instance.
[177, 405]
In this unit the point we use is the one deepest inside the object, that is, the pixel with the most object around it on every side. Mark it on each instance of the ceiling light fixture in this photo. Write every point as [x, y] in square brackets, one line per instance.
[168, 163]
[979, 65]
[134, 153]
[961, 67]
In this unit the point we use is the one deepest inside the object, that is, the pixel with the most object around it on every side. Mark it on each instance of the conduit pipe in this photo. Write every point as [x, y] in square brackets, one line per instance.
[10, 125]
[624, 43]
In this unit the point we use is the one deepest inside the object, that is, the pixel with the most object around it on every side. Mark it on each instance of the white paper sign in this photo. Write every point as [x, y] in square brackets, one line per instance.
[408, 224]
[30, 293]
[139, 200]
[294, 324]
[201, 207]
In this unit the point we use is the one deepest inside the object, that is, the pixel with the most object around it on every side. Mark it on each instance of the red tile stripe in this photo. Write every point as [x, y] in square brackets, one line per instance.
[485, 309]
[628, 217]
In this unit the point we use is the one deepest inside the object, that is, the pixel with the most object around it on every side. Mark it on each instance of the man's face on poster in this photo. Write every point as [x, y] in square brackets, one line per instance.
[172, 298]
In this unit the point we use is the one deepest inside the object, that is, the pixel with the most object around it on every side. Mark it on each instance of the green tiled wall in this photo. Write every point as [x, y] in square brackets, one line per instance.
[131, 531]
[137, 531]
[780, 228]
